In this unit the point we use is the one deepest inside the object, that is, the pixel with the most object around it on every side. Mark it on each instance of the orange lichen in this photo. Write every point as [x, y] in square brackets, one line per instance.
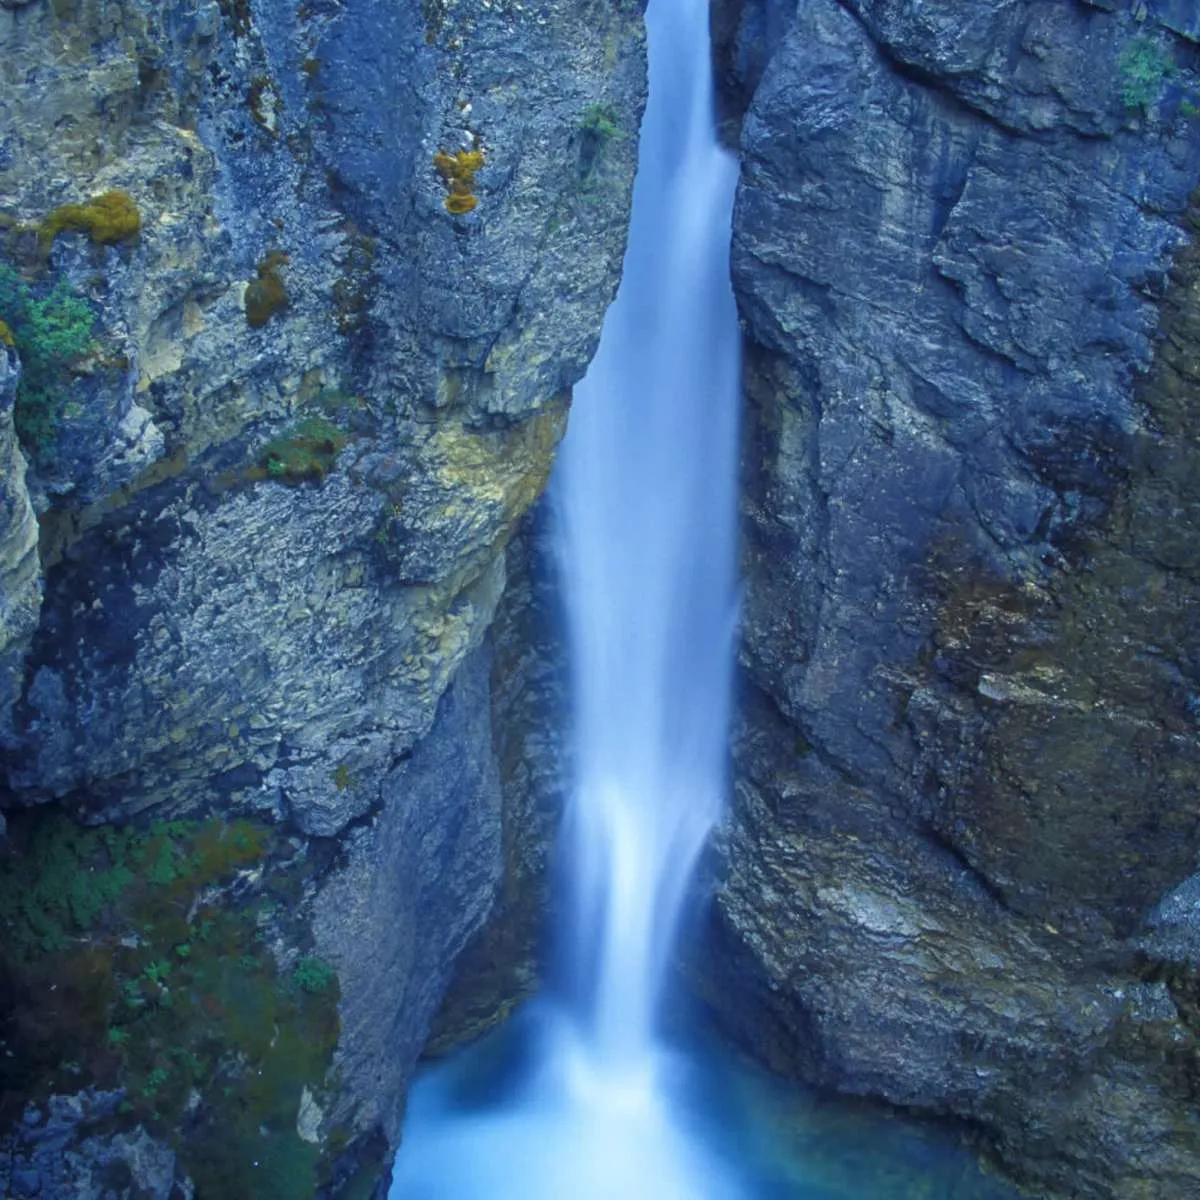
[458, 173]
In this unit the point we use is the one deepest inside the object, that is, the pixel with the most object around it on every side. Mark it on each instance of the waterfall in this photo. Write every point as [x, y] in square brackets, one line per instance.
[646, 492]
[645, 488]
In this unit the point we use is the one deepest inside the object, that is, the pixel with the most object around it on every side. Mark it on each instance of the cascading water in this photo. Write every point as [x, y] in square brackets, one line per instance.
[646, 490]
[646, 496]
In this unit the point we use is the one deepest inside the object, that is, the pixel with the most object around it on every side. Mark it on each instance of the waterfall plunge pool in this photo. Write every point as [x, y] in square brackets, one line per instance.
[709, 1126]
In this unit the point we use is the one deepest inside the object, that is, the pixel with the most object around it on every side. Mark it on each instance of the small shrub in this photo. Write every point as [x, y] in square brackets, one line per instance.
[458, 173]
[600, 121]
[51, 332]
[597, 127]
[267, 295]
[1143, 67]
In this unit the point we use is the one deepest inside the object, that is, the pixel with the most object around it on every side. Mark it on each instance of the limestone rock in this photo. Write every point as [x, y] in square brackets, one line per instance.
[20, 571]
[967, 759]
[275, 492]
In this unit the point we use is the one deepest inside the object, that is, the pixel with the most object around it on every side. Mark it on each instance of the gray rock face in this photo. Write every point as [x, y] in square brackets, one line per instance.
[20, 577]
[326, 381]
[417, 880]
[55, 1153]
[321, 624]
[967, 761]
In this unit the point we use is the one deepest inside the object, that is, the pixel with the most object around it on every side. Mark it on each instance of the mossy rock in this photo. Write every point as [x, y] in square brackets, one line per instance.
[267, 295]
[139, 959]
[304, 454]
[107, 220]
[53, 331]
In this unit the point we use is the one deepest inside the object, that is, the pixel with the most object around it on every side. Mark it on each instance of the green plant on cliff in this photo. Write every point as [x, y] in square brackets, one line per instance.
[600, 121]
[597, 127]
[51, 331]
[1144, 66]
[137, 958]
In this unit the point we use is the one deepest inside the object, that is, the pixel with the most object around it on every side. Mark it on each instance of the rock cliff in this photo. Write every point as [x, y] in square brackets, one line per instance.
[292, 297]
[967, 756]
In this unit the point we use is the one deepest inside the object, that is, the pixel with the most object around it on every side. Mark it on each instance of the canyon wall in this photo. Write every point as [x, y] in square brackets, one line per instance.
[967, 756]
[292, 300]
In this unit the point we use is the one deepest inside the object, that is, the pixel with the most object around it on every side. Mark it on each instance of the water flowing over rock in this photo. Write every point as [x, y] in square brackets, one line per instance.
[646, 506]
[967, 755]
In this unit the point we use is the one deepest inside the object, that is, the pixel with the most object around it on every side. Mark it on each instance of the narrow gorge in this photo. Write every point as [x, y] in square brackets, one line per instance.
[293, 299]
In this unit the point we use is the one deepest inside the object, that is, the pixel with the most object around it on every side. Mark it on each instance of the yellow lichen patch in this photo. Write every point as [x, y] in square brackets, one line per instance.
[458, 173]
[508, 467]
[107, 219]
[6, 337]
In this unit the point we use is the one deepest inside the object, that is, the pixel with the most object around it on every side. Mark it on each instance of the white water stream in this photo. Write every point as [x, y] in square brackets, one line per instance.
[645, 486]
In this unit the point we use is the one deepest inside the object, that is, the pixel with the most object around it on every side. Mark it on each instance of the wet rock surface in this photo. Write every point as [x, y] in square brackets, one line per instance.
[967, 754]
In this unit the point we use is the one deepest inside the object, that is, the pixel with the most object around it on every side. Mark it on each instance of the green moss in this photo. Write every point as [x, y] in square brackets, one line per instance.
[597, 127]
[458, 173]
[304, 454]
[313, 975]
[6, 335]
[51, 331]
[266, 295]
[132, 963]
[600, 121]
[342, 778]
[107, 219]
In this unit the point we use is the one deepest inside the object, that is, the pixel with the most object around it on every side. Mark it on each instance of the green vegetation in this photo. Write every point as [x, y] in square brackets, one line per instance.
[107, 220]
[51, 331]
[266, 295]
[134, 960]
[313, 975]
[600, 121]
[458, 173]
[1144, 66]
[304, 454]
[597, 128]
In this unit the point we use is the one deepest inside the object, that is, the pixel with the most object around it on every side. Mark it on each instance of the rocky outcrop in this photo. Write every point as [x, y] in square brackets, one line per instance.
[299, 294]
[415, 882]
[967, 754]
[20, 578]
